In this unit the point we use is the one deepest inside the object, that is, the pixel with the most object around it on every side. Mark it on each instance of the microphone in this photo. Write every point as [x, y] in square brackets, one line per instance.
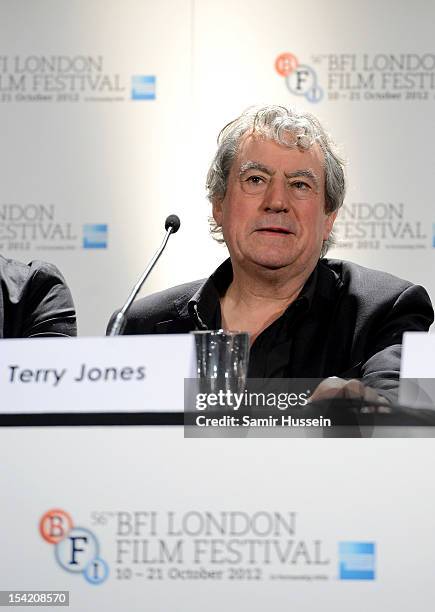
[174, 222]
[172, 225]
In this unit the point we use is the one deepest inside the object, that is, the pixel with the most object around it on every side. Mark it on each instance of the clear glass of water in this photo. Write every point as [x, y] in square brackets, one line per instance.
[222, 360]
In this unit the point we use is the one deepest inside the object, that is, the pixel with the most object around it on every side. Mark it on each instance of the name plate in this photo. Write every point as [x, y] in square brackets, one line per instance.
[95, 375]
[417, 370]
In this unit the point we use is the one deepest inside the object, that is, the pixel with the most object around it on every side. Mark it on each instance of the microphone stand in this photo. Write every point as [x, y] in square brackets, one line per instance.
[172, 225]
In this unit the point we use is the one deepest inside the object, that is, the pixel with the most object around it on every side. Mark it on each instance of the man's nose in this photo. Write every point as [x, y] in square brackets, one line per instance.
[276, 196]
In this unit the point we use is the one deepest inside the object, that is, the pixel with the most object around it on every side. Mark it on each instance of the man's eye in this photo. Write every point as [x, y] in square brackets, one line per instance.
[254, 184]
[255, 180]
[300, 185]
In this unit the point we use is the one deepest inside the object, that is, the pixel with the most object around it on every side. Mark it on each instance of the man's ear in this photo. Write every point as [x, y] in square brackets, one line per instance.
[217, 211]
[329, 224]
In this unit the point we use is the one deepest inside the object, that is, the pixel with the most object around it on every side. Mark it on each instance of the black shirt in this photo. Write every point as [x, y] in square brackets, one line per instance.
[348, 321]
[271, 351]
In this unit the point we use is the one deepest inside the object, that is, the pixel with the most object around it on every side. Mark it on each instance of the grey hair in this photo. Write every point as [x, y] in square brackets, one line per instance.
[287, 127]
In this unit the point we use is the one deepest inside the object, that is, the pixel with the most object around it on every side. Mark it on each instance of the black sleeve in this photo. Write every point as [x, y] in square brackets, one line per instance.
[411, 311]
[38, 302]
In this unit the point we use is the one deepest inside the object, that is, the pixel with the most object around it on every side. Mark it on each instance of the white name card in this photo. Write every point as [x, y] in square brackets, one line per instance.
[417, 370]
[74, 375]
[418, 355]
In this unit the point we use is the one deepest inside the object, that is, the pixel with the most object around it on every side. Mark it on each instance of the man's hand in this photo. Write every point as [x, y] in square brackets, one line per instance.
[334, 387]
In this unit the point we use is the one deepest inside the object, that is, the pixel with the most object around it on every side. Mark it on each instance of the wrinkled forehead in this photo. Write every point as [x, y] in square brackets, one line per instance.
[258, 148]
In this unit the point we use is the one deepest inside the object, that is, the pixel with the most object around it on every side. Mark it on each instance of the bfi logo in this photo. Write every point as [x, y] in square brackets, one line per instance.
[300, 79]
[76, 549]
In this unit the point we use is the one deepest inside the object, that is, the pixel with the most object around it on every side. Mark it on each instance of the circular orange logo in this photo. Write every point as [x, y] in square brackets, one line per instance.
[286, 63]
[55, 525]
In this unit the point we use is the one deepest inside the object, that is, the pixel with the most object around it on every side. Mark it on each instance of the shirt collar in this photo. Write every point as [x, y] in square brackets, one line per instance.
[204, 305]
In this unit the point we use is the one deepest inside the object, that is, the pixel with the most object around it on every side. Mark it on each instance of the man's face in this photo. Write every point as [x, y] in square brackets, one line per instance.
[273, 213]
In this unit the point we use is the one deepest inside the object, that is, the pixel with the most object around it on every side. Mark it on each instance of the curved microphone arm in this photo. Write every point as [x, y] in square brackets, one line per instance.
[172, 225]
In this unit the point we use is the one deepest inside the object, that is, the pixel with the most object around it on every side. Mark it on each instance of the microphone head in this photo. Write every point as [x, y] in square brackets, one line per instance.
[172, 222]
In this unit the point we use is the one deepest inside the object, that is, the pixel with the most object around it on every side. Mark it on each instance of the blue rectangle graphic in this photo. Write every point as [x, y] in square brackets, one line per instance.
[357, 560]
[143, 87]
[95, 236]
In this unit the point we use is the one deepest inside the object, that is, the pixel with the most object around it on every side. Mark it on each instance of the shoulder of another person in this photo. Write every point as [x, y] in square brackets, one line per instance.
[17, 270]
[18, 277]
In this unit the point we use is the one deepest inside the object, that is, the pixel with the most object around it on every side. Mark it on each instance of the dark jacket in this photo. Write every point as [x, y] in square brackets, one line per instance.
[348, 321]
[34, 301]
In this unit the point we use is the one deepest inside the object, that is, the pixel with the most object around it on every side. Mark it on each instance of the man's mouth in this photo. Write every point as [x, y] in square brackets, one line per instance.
[275, 230]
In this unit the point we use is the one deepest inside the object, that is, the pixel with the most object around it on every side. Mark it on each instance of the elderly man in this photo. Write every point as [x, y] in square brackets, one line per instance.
[276, 185]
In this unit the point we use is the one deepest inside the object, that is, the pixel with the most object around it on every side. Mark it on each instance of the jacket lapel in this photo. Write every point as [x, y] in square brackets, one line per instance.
[174, 326]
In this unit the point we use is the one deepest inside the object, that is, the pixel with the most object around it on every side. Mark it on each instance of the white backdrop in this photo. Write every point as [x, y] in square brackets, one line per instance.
[78, 148]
